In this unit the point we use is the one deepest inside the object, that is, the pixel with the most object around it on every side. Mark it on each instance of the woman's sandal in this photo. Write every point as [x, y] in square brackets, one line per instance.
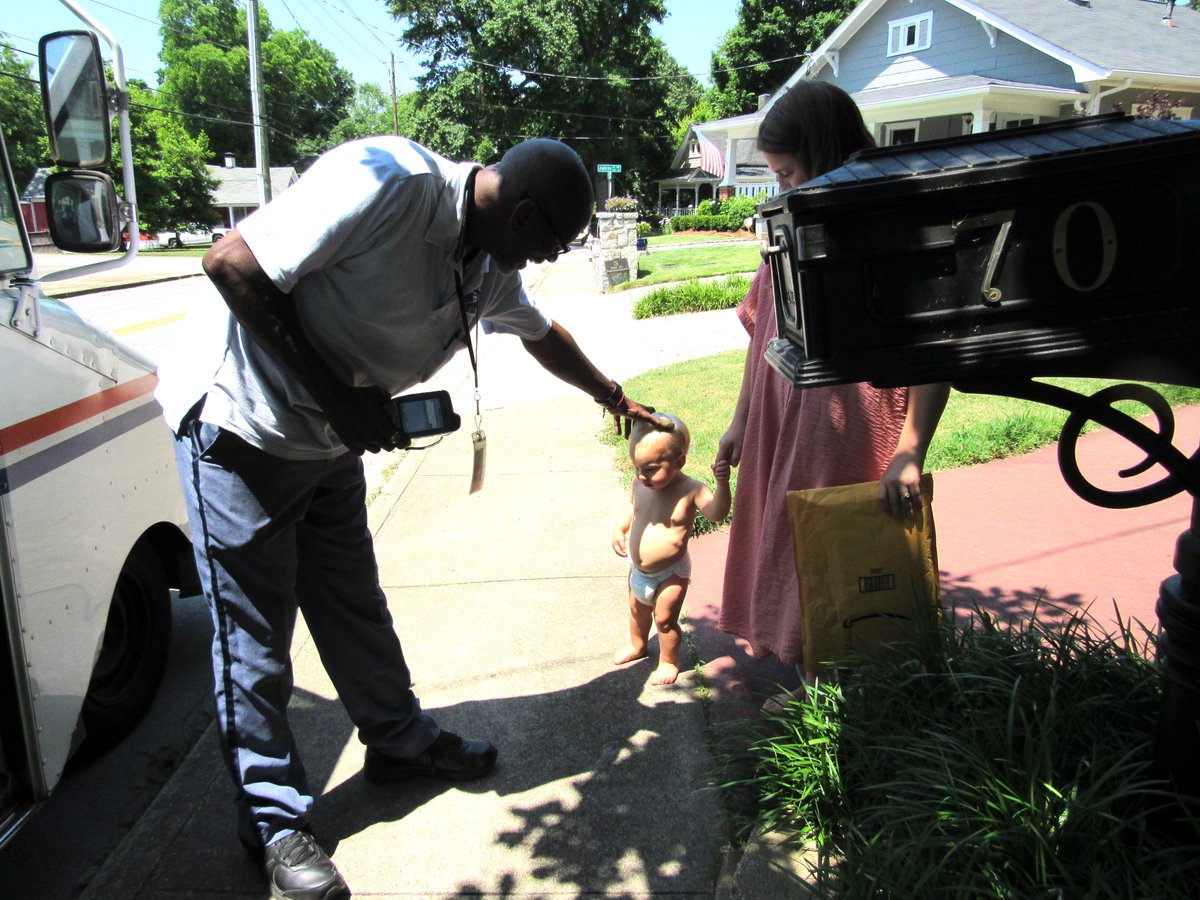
[779, 704]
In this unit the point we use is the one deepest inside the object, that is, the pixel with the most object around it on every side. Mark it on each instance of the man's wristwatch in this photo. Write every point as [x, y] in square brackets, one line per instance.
[613, 398]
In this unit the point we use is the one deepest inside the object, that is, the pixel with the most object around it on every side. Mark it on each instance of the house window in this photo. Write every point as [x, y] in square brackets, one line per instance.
[900, 132]
[1012, 120]
[910, 35]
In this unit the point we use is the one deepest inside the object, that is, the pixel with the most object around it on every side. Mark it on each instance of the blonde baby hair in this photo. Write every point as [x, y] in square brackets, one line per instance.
[679, 437]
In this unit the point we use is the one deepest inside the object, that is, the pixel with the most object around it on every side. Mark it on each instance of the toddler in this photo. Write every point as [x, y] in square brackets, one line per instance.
[653, 529]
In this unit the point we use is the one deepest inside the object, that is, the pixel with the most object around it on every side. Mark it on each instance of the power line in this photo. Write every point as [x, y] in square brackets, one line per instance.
[616, 78]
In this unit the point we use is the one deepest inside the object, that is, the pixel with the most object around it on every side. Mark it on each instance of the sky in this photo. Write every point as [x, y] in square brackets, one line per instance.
[359, 32]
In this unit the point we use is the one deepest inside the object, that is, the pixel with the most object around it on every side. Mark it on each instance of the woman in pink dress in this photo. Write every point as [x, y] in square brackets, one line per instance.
[782, 438]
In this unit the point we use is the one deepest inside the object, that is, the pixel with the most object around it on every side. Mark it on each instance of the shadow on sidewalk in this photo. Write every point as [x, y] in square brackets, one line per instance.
[605, 740]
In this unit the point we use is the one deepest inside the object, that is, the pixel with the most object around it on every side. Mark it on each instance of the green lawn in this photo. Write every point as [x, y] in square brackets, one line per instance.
[691, 237]
[662, 266]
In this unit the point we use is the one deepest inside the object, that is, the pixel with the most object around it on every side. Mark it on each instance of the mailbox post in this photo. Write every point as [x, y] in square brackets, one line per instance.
[989, 260]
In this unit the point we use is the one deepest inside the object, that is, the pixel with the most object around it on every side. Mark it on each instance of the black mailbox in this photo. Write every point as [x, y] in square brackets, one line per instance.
[986, 261]
[1060, 249]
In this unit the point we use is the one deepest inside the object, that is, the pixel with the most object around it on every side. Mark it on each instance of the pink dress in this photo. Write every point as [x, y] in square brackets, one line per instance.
[814, 437]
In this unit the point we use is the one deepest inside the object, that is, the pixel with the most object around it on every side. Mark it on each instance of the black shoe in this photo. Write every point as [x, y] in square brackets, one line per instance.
[449, 757]
[298, 869]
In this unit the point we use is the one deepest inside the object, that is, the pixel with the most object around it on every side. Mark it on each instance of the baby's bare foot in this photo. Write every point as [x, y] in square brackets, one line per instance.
[628, 654]
[666, 673]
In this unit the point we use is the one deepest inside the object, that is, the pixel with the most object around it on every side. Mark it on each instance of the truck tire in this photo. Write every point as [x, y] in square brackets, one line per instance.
[133, 654]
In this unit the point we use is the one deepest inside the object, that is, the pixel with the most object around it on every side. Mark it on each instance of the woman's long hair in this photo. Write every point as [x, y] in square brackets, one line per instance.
[818, 123]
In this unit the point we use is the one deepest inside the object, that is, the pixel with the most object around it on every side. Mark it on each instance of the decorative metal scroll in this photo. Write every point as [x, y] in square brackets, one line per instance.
[1183, 472]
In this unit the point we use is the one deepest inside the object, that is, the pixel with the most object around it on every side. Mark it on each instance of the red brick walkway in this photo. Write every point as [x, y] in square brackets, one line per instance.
[1012, 537]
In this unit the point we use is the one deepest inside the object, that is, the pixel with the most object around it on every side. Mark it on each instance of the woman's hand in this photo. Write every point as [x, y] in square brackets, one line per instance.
[900, 486]
[729, 448]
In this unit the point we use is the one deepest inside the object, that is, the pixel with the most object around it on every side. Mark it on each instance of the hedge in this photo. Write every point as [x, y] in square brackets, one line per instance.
[705, 223]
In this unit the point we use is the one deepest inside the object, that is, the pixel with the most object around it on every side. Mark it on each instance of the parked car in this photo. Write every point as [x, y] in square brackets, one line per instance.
[146, 241]
[192, 235]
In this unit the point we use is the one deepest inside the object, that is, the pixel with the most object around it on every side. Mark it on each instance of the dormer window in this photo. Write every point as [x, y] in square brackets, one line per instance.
[910, 35]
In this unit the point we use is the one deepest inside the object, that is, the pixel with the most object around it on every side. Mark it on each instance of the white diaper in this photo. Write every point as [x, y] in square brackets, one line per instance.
[644, 585]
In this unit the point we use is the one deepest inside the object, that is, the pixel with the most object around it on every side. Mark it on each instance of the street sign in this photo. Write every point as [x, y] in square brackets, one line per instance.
[608, 167]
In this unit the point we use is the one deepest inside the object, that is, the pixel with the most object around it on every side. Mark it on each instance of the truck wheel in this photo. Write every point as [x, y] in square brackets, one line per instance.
[175, 243]
[133, 654]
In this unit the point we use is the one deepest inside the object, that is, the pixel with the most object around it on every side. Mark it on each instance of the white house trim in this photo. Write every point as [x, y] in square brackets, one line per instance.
[1093, 101]
[990, 30]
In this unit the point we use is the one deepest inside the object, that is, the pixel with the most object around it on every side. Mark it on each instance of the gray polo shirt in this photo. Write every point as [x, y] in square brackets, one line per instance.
[367, 242]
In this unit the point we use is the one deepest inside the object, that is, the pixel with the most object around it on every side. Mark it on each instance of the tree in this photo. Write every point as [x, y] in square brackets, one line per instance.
[371, 113]
[173, 185]
[701, 112]
[21, 113]
[206, 75]
[768, 30]
[588, 72]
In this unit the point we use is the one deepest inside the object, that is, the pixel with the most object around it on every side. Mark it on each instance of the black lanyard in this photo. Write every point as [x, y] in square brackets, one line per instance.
[462, 309]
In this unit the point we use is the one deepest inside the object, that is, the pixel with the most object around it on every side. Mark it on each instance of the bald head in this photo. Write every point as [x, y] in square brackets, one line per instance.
[554, 176]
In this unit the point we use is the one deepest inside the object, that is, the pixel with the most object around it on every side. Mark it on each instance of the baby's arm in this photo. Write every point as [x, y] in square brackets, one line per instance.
[714, 503]
[620, 535]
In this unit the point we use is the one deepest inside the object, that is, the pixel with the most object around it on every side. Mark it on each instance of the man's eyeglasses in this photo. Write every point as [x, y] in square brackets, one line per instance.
[563, 247]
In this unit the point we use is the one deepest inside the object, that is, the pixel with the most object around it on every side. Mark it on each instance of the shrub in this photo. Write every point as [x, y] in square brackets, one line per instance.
[737, 210]
[708, 208]
[692, 295]
[700, 223]
[1018, 763]
[620, 204]
[643, 229]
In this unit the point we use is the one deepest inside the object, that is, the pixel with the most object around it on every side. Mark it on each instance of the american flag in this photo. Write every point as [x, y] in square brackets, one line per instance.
[711, 159]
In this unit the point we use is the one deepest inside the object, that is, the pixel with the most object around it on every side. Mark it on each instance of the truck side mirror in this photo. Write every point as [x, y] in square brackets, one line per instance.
[83, 212]
[75, 99]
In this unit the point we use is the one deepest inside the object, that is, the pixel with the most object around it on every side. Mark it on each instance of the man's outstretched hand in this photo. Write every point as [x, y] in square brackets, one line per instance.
[629, 409]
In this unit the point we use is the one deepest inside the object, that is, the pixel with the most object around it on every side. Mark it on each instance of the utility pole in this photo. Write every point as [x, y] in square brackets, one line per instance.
[261, 155]
[395, 113]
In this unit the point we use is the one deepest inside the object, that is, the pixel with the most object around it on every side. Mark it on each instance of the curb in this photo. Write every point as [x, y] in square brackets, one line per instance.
[102, 288]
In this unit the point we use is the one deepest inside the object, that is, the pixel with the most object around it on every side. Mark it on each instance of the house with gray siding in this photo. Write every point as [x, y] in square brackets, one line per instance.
[237, 193]
[927, 69]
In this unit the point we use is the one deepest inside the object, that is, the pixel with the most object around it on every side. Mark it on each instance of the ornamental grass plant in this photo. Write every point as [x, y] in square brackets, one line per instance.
[1013, 763]
[692, 295]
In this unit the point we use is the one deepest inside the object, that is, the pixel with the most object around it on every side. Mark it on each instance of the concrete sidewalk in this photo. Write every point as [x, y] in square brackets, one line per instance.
[510, 602]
